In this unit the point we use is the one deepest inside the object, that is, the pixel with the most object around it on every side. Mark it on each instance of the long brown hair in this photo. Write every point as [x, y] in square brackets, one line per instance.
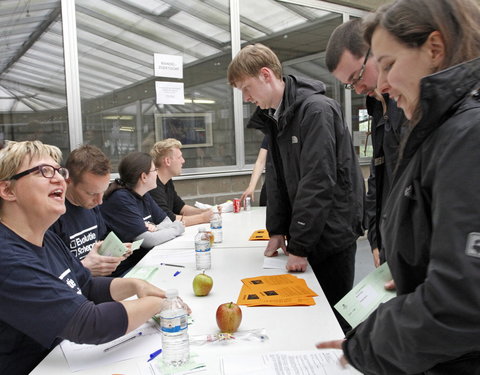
[412, 21]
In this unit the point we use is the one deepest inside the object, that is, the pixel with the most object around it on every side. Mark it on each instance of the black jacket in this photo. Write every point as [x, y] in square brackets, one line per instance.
[314, 184]
[386, 135]
[431, 234]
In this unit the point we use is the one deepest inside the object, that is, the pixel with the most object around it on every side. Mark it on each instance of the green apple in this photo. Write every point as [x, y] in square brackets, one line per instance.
[229, 317]
[202, 284]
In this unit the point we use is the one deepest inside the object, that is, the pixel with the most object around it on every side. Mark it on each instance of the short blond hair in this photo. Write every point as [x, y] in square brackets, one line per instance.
[161, 149]
[249, 61]
[14, 153]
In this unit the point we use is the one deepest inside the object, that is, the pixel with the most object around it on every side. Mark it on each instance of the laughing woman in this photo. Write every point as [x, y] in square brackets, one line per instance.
[428, 56]
[46, 294]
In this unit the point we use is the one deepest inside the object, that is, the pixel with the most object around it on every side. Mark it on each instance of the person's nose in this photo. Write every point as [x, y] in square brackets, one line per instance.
[98, 198]
[359, 88]
[382, 83]
[246, 96]
[57, 177]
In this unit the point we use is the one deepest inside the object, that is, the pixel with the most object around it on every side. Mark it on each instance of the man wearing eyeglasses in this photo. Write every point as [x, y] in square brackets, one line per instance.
[82, 225]
[348, 59]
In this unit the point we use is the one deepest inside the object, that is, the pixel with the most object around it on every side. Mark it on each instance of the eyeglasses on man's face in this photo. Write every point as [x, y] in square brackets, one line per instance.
[351, 85]
[47, 171]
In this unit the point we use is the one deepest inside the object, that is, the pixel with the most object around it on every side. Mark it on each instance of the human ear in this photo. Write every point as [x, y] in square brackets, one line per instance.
[436, 48]
[6, 191]
[265, 74]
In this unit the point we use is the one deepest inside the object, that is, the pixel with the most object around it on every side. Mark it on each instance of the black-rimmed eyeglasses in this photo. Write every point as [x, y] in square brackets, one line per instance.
[47, 171]
[351, 85]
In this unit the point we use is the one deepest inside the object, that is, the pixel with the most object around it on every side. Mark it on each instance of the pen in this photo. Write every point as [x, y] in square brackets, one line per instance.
[171, 265]
[154, 354]
[176, 273]
[122, 342]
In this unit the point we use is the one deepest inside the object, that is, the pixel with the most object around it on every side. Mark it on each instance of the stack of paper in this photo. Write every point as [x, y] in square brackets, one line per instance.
[261, 234]
[278, 290]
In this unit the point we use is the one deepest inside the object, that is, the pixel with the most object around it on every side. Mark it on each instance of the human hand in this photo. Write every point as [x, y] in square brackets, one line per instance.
[207, 215]
[296, 263]
[276, 242]
[376, 257]
[389, 285]
[145, 289]
[150, 226]
[249, 192]
[129, 251]
[185, 306]
[100, 265]
[334, 344]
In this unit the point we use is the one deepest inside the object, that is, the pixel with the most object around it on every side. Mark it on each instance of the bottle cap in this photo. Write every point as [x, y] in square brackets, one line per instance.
[171, 293]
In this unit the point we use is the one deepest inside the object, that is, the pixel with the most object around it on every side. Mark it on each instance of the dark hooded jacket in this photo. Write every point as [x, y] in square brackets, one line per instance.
[315, 187]
[386, 134]
[431, 233]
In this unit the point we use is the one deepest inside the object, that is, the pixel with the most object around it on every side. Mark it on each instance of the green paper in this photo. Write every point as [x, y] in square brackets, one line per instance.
[112, 246]
[365, 297]
[142, 272]
[136, 244]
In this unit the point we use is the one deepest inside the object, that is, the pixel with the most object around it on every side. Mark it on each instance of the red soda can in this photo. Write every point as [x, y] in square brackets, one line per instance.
[236, 205]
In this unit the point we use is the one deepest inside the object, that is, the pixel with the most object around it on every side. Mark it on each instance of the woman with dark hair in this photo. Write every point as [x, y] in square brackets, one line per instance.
[428, 54]
[131, 213]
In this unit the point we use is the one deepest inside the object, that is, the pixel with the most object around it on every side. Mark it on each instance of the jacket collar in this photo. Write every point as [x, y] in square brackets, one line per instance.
[441, 94]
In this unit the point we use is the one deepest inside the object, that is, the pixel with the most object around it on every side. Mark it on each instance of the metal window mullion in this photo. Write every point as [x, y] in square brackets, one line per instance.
[72, 80]
[348, 94]
[237, 95]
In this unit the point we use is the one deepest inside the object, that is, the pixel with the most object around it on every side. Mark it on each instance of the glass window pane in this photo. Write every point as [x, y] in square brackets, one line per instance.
[298, 35]
[121, 113]
[32, 78]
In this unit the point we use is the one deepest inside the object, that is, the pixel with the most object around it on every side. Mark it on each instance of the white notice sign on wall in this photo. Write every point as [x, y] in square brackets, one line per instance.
[170, 93]
[170, 66]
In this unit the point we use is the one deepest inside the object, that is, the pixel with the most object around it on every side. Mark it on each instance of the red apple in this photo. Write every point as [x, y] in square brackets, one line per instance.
[229, 316]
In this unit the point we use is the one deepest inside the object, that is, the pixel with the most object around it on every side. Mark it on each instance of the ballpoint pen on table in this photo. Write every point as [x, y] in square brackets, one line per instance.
[154, 354]
[122, 342]
[171, 265]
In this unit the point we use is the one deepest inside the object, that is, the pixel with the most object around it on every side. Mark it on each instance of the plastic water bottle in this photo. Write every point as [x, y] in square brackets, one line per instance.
[216, 227]
[203, 255]
[174, 326]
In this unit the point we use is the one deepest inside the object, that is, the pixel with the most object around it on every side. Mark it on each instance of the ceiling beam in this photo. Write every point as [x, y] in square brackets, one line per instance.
[33, 38]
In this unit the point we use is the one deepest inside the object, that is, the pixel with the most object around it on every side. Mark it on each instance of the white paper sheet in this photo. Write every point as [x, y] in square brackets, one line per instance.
[312, 362]
[182, 257]
[278, 262]
[82, 357]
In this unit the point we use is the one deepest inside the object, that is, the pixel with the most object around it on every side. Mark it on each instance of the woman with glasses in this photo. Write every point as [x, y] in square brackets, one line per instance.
[47, 295]
[131, 213]
[428, 54]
